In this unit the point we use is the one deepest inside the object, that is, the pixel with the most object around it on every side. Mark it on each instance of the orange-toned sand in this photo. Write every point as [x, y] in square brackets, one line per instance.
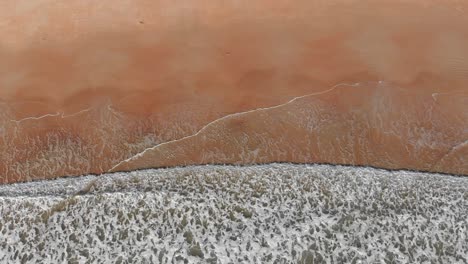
[85, 85]
[372, 123]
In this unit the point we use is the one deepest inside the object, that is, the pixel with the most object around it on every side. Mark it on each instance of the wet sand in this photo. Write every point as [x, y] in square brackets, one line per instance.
[86, 85]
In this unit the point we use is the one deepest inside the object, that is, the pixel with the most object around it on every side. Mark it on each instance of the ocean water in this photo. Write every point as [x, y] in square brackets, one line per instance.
[275, 213]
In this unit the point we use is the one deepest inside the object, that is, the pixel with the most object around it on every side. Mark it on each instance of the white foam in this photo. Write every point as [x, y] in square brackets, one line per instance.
[251, 214]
